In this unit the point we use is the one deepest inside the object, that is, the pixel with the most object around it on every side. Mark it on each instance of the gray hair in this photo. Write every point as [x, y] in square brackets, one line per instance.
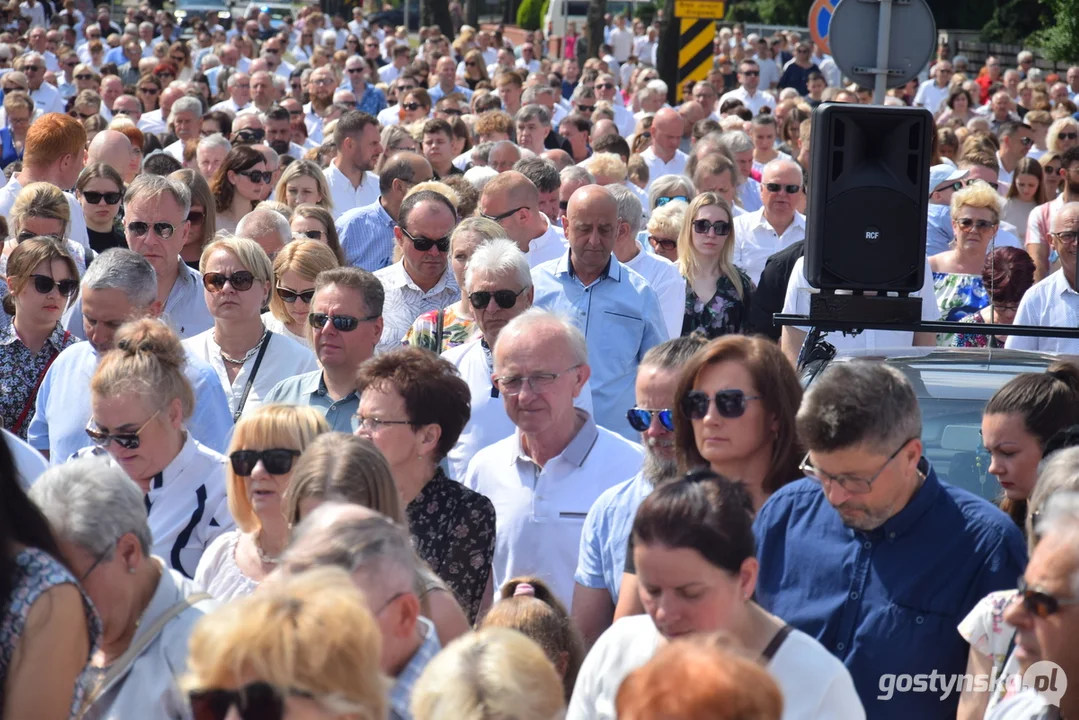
[499, 257]
[235, 78]
[186, 104]
[479, 176]
[124, 270]
[537, 317]
[1059, 473]
[669, 186]
[532, 93]
[859, 403]
[583, 92]
[482, 151]
[736, 141]
[92, 503]
[673, 354]
[533, 112]
[541, 171]
[576, 173]
[262, 221]
[629, 207]
[217, 140]
[154, 186]
[1061, 519]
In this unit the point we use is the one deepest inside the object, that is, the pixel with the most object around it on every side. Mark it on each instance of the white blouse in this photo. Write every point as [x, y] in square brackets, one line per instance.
[218, 572]
[276, 326]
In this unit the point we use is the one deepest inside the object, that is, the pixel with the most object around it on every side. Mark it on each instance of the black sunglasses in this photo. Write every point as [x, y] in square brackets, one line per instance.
[110, 198]
[641, 419]
[665, 244]
[1067, 136]
[215, 281]
[730, 404]
[424, 244]
[341, 323]
[257, 177]
[45, 284]
[277, 461]
[721, 228]
[503, 216]
[1040, 603]
[128, 441]
[411, 107]
[195, 217]
[28, 235]
[504, 298]
[586, 108]
[254, 701]
[789, 189]
[290, 296]
[84, 77]
[163, 230]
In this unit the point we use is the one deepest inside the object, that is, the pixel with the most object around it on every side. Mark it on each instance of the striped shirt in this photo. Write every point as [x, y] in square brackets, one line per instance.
[367, 236]
[401, 692]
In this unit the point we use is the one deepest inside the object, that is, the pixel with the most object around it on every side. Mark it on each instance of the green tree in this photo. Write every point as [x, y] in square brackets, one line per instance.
[1060, 38]
[529, 14]
[1013, 21]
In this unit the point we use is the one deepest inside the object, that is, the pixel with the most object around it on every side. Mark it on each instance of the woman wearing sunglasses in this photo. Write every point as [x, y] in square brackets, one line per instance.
[264, 450]
[957, 272]
[238, 185]
[249, 358]
[316, 223]
[19, 109]
[668, 188]
[42, 281]
[664, 227]
[416, 106]
[413, 407]
[180, 56]
[303, 183]
[475, 69]
[202, 216]
[440, 330]
[140, 400]
[718, 294]
[986, 628]
[295, 269]
[99, 191]
[306, 647]
[693, 547]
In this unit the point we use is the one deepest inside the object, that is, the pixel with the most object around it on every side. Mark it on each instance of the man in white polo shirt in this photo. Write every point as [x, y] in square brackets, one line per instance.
[748, 90]
[933, 92]
[512, 201]
[1053, 302]
[544, 478]
[759, 235]
[663, 156]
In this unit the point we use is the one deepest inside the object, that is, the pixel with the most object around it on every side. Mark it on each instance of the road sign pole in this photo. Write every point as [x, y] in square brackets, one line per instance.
[884, 34]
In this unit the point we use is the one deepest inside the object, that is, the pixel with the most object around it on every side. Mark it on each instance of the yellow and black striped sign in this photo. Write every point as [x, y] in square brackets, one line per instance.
[695, 55]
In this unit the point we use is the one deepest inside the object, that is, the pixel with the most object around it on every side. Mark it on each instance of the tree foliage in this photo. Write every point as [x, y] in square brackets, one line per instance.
[530, 14]
[1059, 38]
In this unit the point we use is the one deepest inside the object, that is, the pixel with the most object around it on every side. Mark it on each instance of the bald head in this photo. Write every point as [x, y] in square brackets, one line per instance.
[667, 133]
[503, 156]
[603, 128]
[560, 158]
[110, 147]
[591, 226]
[1067, 218]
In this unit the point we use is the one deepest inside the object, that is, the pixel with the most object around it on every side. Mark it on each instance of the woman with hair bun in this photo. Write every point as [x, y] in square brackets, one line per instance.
[528, 606]
[693, 548]
[140, 400]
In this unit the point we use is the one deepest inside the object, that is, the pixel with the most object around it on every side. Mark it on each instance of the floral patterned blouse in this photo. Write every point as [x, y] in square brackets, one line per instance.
[969, 340]
[724, 313]
[19, 373]
[456, 330]
[453, 531]
[35, 572]
[958, 295]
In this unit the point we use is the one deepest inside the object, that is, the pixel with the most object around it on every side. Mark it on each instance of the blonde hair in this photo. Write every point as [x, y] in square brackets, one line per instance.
[607, 164]
[248, 252]
[147, 359]
[486, 229]
[293, 427]
[304, 168]
[307, 258]
[688, 263]
[25, 258]
[668, 219]
[1055, 129]
[978, 195]
[492, 673]
[40, 200]
[310, 632]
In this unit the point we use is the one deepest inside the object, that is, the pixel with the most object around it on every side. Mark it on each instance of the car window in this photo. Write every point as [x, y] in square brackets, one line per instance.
[951, 434]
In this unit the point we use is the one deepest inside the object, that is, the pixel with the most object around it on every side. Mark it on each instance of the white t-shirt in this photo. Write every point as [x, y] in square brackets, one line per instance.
[814, 683]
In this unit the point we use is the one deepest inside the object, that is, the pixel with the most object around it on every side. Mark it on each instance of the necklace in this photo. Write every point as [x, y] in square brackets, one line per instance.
[250, 353]
[266, 559]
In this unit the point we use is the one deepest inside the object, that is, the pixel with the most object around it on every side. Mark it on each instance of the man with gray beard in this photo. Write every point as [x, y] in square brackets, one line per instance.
[602, 556]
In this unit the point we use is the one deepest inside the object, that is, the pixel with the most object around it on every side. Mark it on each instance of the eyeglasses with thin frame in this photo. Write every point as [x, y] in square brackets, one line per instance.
[128, 441]
[977, 224]
[540, 382]
[97, 561]
[1067, 237]
[374, 424]
[851, 483]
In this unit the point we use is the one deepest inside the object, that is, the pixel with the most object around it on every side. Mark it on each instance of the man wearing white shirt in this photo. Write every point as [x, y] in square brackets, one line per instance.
[663, 156]
[352, 184]
[512, 201]
[239, 90]
[184, 119]
[606, 89]
[1015, 139]
[934, 92]
[46, 97]
[38, 43]
[777, 225]
[389, 73]
[544, 478]
[749, 78]
[320, 86]
[621, 40]
[528, 58]
[1053, 302]
[33, 11]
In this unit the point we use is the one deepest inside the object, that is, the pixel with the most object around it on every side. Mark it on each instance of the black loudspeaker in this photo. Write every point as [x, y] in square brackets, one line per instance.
[869, 196]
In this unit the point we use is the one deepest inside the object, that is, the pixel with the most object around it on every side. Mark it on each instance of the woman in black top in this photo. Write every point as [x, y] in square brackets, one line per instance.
[100, 190]
[413, 407]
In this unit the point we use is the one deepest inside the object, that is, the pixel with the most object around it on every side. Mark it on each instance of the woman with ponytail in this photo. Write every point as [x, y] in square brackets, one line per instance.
[140, 400]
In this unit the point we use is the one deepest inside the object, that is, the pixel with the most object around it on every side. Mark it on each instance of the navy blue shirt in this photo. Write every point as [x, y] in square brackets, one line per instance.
[889, 600]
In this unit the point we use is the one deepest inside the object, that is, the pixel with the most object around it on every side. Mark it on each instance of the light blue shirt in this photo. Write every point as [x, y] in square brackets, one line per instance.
[185, 309]
[366, 235]
[437, 94]
[309, 389]
[63, 404]
[938, 235]
[620, 317]
[605, 538]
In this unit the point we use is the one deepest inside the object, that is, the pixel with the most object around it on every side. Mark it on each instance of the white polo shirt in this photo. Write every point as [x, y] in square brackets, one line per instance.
[284, 358]
[754, 102]
[931, 96]
[796, 302]
[345, 197]
[1051, 302]
[548, 246]
[152, 122]
[670, 286]
[541, 511]
[755, 241]
[657, 168]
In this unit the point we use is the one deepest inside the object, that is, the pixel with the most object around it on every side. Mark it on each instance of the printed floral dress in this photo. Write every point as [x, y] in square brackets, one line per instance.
[958, 295]
[969, 340]
[722, 314]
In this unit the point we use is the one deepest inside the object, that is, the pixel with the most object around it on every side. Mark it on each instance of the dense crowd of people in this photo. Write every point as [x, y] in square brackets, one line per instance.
[345, 376]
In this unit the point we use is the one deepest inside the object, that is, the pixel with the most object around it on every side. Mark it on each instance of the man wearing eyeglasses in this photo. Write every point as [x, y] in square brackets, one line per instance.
[513, 201]
[777, 225]
[1046, 618]
[346, 324]
[1039, 223]
[46, 97]
[606, 89]
[1053, 301]
[871, 554]
[544, 477]
[421, 280]
[934, 92]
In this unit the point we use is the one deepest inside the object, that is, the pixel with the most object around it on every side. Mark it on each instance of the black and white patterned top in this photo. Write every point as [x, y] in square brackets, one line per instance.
[20, 369]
